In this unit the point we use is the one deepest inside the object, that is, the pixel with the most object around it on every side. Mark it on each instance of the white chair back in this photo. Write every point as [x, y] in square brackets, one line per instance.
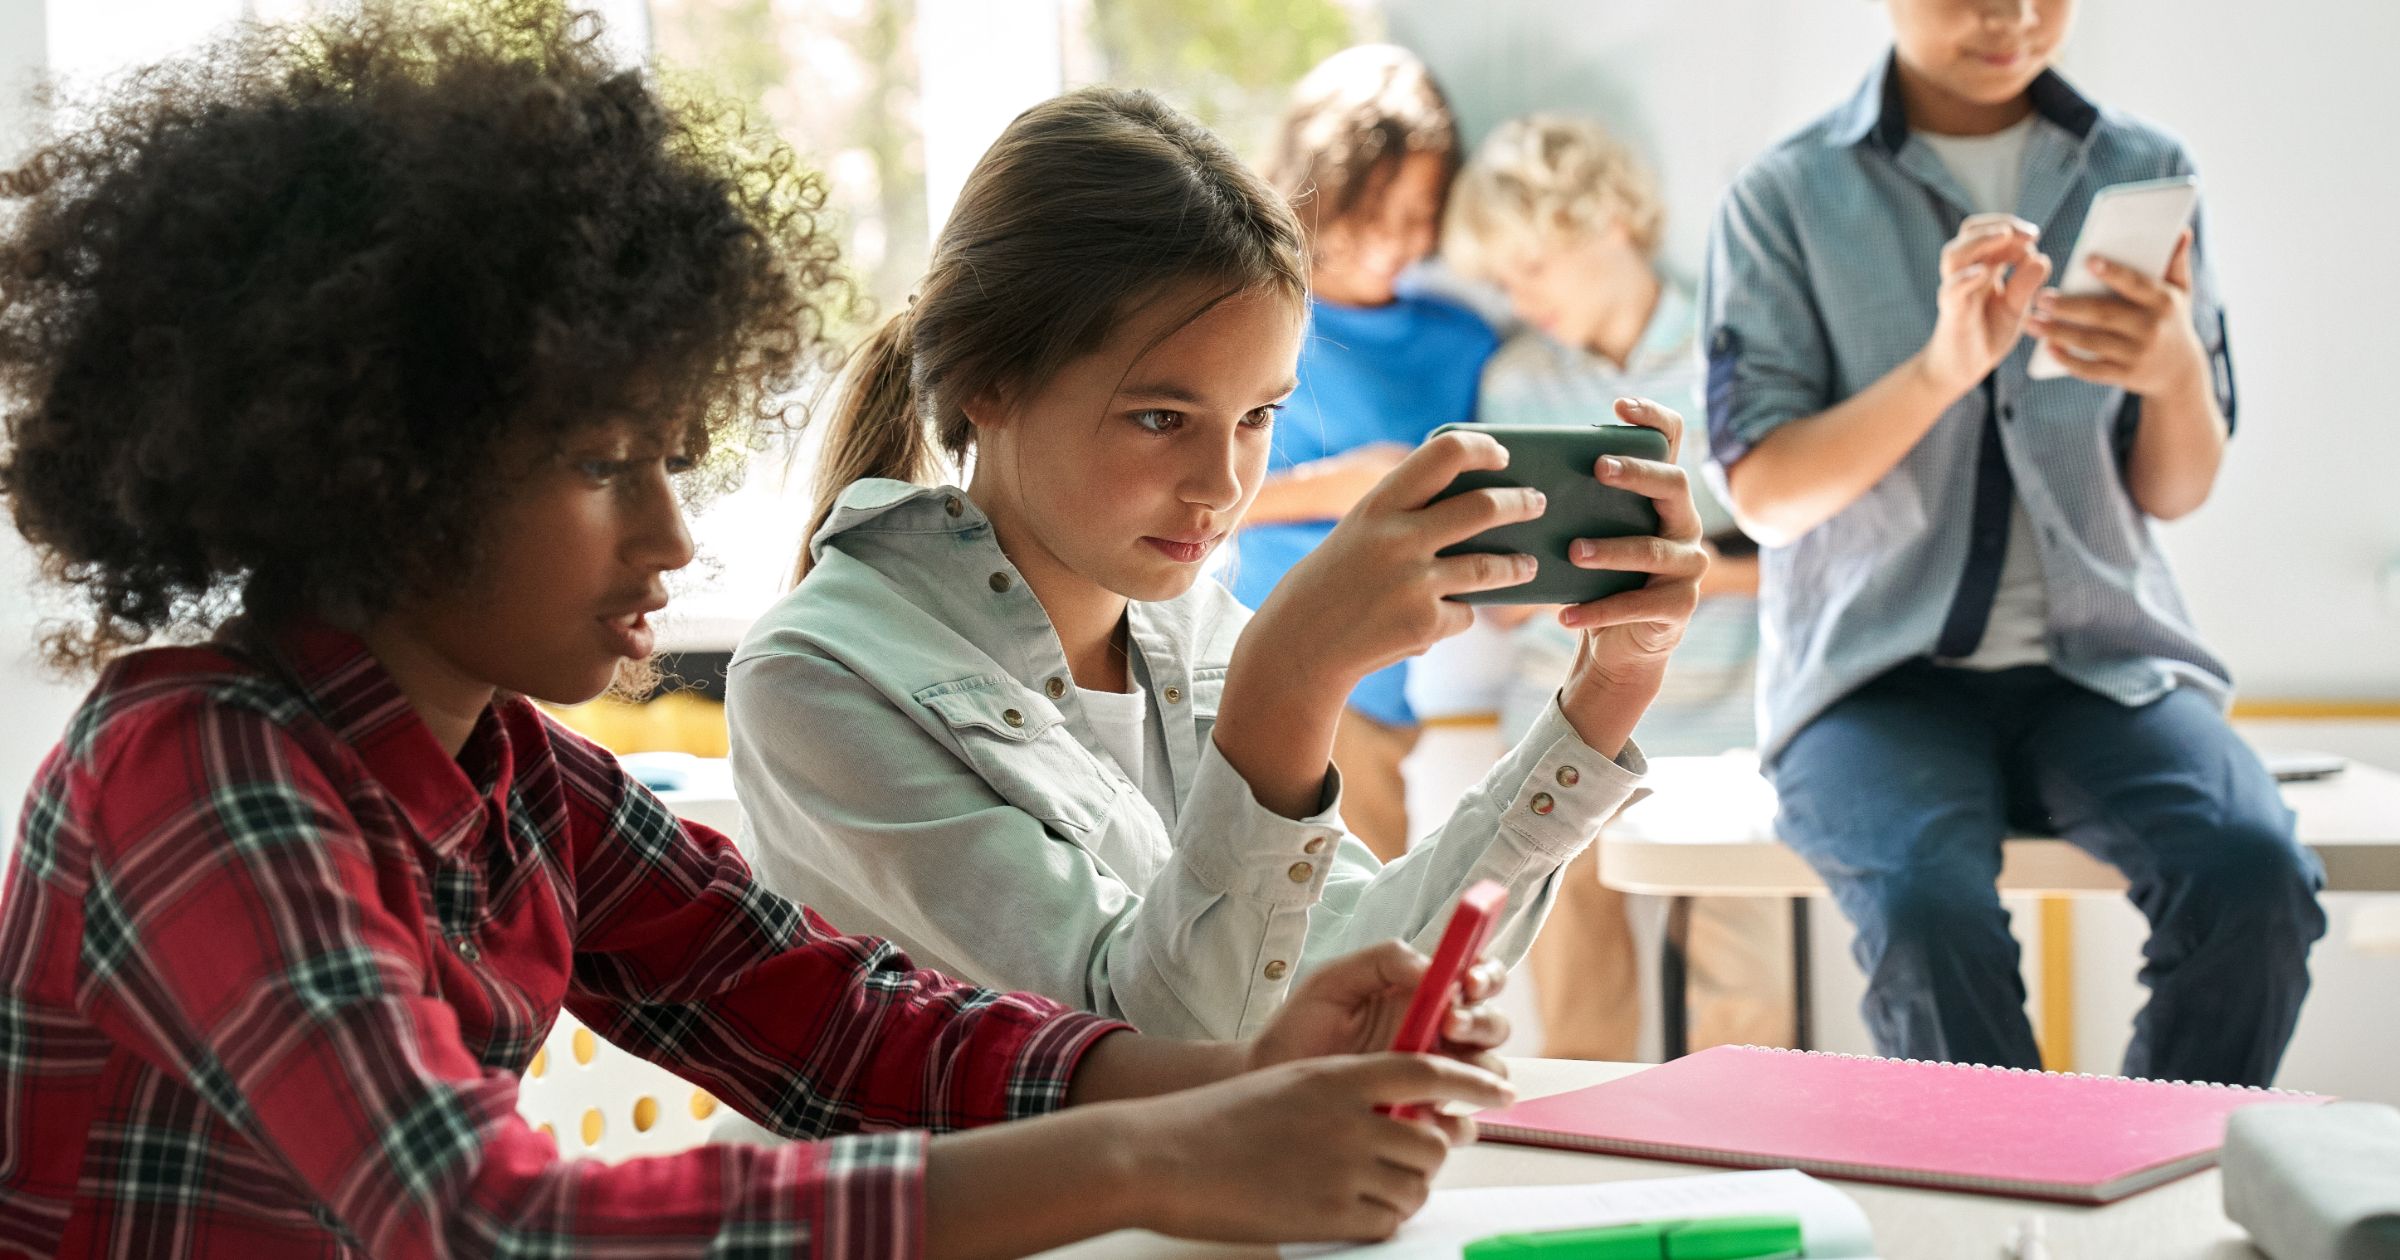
[596, 1099]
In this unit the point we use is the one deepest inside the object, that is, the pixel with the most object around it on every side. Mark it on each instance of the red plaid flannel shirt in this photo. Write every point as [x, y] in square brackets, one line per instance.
[271, 964]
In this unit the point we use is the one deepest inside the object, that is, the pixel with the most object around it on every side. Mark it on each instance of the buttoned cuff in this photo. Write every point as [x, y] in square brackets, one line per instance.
[1565, 789]
[1240, 848]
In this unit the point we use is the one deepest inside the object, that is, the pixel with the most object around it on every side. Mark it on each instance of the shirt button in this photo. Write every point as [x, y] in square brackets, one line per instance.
[1543, 803]
[1012, 717]
[466, 948]
[953, 506]
[1300, 872]
[1316, 844]
[1569, 776]
[1057, 687]
[999, 581]
[1278, 969]
[1174, 695]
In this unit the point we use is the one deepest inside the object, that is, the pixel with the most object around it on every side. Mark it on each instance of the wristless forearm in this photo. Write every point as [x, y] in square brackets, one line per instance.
[1806, 472]
[1276, 723]
[1128, 1065]
[2177, 450]
[1605, 708]
[1015, 1189]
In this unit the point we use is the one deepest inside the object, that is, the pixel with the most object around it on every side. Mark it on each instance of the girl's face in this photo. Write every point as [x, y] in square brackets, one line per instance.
[575, 566]
[1981, 52]
[1360, 256]
[1132, 463]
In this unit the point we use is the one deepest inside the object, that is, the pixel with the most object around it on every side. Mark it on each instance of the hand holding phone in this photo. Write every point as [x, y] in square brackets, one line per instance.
[1470, 929]
[1557, 460]
[2135, 226]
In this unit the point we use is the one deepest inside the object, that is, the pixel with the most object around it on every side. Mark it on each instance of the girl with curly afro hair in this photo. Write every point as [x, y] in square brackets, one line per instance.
[358, 364]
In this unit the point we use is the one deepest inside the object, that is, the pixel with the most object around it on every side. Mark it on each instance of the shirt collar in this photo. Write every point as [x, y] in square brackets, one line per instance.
[945, 547]
[1877, 114]
[351, 692]
[890, 505]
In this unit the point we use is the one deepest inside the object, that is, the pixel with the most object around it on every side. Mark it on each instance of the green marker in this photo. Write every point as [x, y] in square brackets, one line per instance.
[1708, 1238]
[1607, 1242]
[1735, 1238]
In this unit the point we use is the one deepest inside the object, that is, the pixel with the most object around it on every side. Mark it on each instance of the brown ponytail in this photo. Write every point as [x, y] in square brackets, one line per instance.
[880, 429]
[1087, 205]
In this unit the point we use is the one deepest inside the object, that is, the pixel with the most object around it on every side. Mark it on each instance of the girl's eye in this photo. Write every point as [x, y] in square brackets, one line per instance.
[680, 464]
[1157, 421]
[600, 471]
[1264, 417]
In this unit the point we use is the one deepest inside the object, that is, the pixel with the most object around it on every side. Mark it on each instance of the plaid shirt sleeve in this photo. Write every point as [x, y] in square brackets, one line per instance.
[245, 934]
[683, 958]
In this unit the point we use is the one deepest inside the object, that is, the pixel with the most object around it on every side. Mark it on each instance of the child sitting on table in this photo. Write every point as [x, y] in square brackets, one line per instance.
[1969, 624]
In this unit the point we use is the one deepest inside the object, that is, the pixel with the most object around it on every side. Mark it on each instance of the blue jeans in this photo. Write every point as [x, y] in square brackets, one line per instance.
[1900, 794]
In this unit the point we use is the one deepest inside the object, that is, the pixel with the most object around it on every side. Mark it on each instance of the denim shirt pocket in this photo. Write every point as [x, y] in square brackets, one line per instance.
[1019, 744]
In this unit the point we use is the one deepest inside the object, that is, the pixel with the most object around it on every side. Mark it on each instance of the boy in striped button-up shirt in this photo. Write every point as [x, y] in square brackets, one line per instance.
[1968, 622]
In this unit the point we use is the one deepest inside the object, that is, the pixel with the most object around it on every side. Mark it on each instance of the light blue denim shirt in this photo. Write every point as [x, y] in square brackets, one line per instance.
[1822, 268]
[913, 761]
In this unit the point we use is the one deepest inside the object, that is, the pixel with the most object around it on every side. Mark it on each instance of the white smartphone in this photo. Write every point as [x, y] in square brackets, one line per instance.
[2133, 225]
[2301, 767]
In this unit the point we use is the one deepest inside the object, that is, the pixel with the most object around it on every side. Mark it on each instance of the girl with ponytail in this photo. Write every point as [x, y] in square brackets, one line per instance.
[1002, 718]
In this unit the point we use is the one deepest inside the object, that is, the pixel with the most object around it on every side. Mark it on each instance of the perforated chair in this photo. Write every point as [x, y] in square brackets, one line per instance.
[596, 1099]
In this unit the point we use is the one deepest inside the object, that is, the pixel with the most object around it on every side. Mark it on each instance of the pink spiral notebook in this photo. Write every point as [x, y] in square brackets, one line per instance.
[2043, 1135]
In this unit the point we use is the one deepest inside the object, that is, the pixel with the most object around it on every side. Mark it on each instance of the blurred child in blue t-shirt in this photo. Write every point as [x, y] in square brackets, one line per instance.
[1366, 153]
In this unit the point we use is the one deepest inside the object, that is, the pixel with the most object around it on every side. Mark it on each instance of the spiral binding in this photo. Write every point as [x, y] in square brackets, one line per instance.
[2080, 1076]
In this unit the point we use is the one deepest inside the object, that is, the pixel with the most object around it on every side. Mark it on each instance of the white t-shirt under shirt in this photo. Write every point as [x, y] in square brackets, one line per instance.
[1992, 169]
[1121, 719]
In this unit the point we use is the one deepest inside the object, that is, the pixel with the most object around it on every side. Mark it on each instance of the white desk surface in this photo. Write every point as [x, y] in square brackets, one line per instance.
[2182, 1220]
[1708, 827]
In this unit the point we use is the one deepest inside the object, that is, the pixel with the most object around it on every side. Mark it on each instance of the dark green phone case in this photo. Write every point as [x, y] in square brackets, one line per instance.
[1557, 460]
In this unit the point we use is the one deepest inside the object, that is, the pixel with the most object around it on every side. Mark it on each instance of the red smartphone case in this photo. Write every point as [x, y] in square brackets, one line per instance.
[1470, 929]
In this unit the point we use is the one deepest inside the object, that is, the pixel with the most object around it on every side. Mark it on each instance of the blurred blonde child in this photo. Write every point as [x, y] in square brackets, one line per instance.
[1560, 216]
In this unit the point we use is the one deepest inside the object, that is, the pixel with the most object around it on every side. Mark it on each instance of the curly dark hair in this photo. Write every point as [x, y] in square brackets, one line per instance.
[271, 318]
[1350, 123]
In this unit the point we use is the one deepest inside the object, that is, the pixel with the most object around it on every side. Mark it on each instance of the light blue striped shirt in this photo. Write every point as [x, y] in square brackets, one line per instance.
[1705, 703]
[1822, 268]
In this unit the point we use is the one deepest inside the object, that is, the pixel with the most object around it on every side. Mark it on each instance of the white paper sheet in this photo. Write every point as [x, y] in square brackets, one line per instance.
[1833, 1227]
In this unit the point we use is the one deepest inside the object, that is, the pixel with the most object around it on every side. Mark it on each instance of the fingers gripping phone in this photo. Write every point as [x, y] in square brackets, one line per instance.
[1557, 460]
[2133, 225]
[1472, 922]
